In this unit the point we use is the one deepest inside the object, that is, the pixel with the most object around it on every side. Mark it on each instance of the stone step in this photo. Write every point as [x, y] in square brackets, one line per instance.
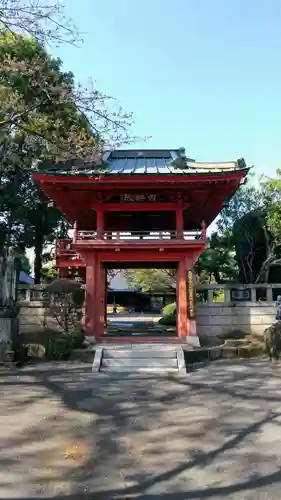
[134, 363]
[139, 369]
[144, 358]
[139, 353]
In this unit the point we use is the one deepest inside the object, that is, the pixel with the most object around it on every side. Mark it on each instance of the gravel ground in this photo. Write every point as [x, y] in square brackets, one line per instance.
[69, 434]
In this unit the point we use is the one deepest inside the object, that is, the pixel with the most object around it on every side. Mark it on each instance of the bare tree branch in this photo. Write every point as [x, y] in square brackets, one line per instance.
[46, 20]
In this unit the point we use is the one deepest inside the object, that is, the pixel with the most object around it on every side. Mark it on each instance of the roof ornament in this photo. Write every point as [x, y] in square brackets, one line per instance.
[241, 163]
[179, 159]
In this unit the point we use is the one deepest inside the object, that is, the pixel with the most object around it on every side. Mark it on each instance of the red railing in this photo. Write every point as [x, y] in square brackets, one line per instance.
[98, 234]
[139, 235]
[64, 247]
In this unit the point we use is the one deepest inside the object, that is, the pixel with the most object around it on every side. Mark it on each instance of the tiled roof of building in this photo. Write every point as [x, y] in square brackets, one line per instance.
[150, 162]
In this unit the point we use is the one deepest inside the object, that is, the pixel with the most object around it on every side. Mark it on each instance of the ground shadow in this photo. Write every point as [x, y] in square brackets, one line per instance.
[212, 434]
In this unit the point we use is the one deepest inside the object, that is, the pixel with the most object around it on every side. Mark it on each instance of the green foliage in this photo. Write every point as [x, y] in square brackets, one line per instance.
[45, 21]
[272, 196]
[247, 198]
[24, 263]
[218, 264]
[58, 349]
[169, 309]
[48, 273]
[35, 112]
[257, 235]
[150, 279]
[237, 250]
[20, 350]
[77, 337]
[64, 300]
[249, 235]
[169, 320]
[44, 119]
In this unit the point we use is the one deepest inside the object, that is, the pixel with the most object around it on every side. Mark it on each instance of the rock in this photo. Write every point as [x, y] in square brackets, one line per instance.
[272, 340]
[233, 334]
[196, 356]
[84, 355]
[259, 336]
[215, 353]
[9, 356]
[200, 364]
[209, 340]
[250, 351]
[235, 342]
[229, 351]
[35, 351]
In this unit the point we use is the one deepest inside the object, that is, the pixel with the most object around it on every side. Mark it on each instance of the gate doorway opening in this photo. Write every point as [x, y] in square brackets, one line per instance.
[132, 312]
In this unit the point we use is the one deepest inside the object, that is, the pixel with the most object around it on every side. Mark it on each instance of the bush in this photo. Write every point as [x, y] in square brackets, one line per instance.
[119, 309]
[77, 337]
[169, 309]
[64, 301]
[170, 320]
[20, 351]
[58, 349]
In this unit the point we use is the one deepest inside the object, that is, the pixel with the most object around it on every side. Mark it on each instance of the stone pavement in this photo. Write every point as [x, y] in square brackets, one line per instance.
[69, 434]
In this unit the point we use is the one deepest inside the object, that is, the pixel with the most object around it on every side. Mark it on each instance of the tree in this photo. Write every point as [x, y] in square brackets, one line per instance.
[150, 279]
[257, 235]
[43, 20]
[246, 199]
[64, 301]
[67, 121]
[44, 119]
[239, 233]
[250, 235]
[217, 264]
[271, 190]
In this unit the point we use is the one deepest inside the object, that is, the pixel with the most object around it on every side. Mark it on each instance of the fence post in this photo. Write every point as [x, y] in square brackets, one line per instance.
[28, 294]
[269, 294]
[226, 292]
[210, 295]
[253, 294]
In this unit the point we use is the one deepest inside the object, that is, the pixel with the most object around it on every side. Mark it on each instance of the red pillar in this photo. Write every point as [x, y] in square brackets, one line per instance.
[105, 298]
[63, 272]
[100, 220]
[182, 320]
[90, 327]
[179, 221]
[191, 302]
[99, 299]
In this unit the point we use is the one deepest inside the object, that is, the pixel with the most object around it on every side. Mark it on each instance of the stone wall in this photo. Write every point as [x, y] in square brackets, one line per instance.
[32, 318]
[251, 316]
[213, 318]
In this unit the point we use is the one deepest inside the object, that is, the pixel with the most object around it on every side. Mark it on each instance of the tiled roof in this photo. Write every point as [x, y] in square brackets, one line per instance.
[150, 162]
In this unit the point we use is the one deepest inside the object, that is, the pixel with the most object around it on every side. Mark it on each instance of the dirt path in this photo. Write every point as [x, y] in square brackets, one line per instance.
[216, 434]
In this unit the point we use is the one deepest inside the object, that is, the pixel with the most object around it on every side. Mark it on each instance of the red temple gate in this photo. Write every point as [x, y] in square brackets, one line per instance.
[145, 208]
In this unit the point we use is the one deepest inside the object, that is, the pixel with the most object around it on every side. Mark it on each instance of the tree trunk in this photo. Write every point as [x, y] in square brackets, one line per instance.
[39, 241]
[217, 276]
[270, 258]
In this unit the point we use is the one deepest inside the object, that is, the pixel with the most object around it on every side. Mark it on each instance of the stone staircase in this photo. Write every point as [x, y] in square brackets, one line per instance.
[143, 358]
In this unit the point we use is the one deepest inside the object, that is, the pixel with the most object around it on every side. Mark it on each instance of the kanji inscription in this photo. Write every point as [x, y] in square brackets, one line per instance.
[138, 197]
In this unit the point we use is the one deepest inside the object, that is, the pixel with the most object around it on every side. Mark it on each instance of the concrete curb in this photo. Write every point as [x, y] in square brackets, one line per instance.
[181, 362]
[97, 360]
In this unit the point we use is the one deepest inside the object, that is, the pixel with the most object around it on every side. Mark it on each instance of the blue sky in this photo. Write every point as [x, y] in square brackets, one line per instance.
[203, 74]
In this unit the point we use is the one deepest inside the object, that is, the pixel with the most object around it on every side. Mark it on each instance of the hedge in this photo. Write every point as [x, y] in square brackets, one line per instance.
[169, 309]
